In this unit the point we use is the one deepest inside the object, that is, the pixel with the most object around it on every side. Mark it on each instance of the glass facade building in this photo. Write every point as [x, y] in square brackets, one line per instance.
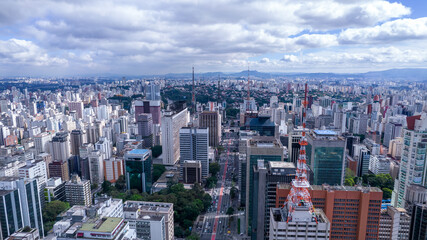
[138, 167]
[10, 212]
[325, 157]
[418, 230]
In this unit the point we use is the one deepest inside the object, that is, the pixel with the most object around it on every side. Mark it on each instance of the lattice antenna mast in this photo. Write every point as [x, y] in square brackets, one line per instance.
[299, 195]
[219, 89]
[193, 98]
[248, 84]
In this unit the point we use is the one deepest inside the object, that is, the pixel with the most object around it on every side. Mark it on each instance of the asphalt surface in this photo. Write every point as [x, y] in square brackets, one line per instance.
[216, 224]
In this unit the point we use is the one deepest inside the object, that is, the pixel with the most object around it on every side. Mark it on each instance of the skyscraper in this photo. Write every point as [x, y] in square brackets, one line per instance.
[259, 148]
[212, 121]
[77, 139]
[194, 146]
[413, 161]
[145, 129]
[418, 229]
[29, 203]
[60, 147]
[266, 178]
[78, 107]
[325, 157]
[171, 124]
[152, 91]
[138, 170]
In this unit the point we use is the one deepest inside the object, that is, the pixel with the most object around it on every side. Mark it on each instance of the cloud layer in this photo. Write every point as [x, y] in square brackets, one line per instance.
[149, 37]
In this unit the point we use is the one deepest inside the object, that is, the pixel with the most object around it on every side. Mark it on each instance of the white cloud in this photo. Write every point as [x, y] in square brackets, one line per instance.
[161, 36]
[397, 30]
[290, 58]
[17, 51]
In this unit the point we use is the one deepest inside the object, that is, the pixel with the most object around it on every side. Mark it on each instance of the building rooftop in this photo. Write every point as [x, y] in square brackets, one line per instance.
[325, 132]
[102, 225]
[334, 188]
[276, 164]
[139, 152]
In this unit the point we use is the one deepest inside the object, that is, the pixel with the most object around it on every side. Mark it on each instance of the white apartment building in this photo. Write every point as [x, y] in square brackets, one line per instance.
[171, 124]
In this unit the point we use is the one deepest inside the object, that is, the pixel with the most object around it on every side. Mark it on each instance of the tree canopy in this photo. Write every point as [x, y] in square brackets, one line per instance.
[51, 211]
[214, 168]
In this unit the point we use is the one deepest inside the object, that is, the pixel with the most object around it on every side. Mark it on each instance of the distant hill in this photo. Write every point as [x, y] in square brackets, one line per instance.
[413, 74]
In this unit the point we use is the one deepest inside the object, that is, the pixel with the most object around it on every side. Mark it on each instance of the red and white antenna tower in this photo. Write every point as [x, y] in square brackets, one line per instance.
[299, 195]
[193, 97]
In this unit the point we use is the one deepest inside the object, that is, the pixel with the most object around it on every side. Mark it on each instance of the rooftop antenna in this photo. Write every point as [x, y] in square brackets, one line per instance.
[248, 83]
[219, 89]
[299, 187]
[193, 99]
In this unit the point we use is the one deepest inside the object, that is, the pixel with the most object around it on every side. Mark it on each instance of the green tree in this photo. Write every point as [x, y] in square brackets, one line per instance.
[349, 182]
[121, 183]
[156, 151]
[158, 170]
[349, 173]
[387, 193]
[193, 236]
[106, 187]
[51, 211]
[233, 192]
[230, 211]
[211, 182]
[214, 168]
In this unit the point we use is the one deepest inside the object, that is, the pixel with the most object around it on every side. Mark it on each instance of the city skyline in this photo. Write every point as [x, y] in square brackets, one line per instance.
[58, 38]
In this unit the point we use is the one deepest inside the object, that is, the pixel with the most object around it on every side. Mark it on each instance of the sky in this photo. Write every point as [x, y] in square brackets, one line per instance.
[134, 37]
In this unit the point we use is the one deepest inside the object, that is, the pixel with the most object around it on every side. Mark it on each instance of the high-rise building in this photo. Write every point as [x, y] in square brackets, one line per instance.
[77, 191]
[379, 164]
[149, 106]
[11, 212]
[77, 107]
[59, 169]
[29, 206]
[212, 121]
[413, 161]
[36, 170]
[138, 170]
[325, 157]
[171, 124]
[394, 224]
[152, 92]
[60, 147]
[113, 169]
[395, 148]
[137, 213]
[77, 139]
[259, 148]
[192, 171]
[415, 194]
[104, 147]
[391, 131]
[41, 142]
[194, 146]
[266, 178]
[145, 129]
[418, 229]
[362, 155]
[357, 207]
[96, 167]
